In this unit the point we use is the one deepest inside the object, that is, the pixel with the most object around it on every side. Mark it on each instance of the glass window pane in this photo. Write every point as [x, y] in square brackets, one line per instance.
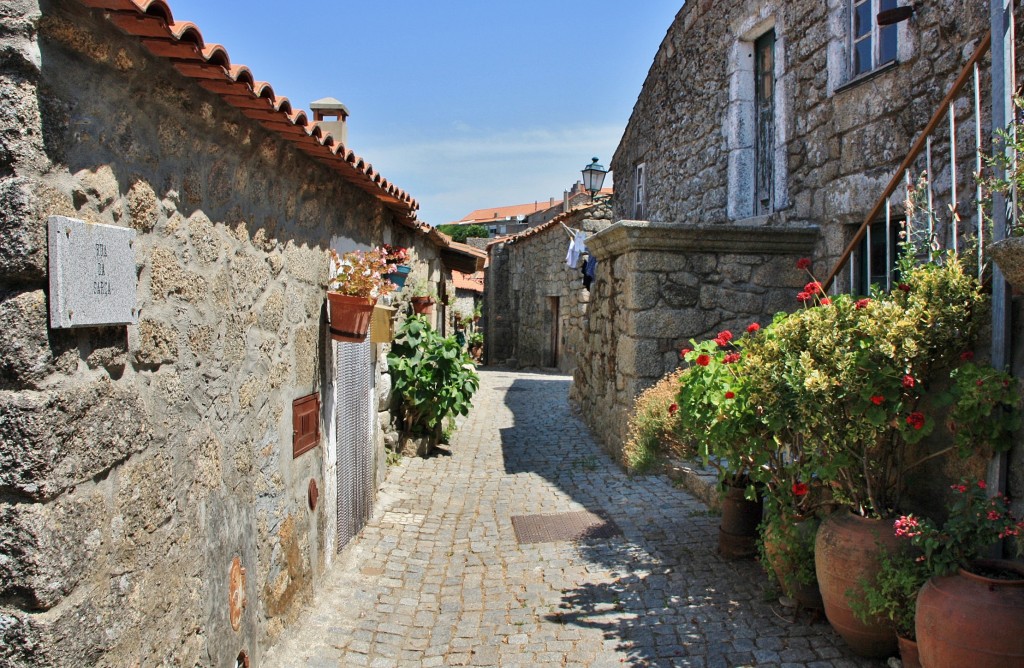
[887, 44]
[862, 19]
[862, 56]
[885, 5]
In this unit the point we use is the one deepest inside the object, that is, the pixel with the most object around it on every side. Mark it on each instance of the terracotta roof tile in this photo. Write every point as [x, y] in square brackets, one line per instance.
[182, 43]
[502, 212]
[474, 282]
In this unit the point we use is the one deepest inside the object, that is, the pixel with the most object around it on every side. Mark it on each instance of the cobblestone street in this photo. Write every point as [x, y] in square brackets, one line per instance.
[438, 577]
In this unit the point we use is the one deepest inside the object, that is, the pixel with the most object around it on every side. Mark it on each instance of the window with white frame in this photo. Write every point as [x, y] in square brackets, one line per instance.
[639, 187]
[871, 45]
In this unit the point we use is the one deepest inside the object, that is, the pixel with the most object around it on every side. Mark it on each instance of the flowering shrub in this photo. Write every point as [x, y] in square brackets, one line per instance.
[360, 274]
[652, 425]
[892, 594]
[976, 521]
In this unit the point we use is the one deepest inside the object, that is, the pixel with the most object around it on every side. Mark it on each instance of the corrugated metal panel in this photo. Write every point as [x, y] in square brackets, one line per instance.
[355, 451]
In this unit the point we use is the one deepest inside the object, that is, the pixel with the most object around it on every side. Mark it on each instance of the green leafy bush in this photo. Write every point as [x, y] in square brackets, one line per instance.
[462, 232]
[432, 376]
[653, 424]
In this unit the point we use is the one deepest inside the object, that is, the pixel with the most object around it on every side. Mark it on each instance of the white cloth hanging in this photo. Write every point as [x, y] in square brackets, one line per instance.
[577, 247]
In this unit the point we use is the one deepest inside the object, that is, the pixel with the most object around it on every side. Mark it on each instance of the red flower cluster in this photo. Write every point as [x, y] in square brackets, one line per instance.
[803, 296]
[908, 381]
[730, 395]
[907, 526]
[904, 287]
[803, 263]
[916, 419]
[813, 288]
[723, 338]
[958, 488]
[967, 355]
[861, 303]
[730, 358]
[825, 301]
[753, 327]
[877, 399]
[684, 352]
[800, 489]
[703, 360]
[672, 409]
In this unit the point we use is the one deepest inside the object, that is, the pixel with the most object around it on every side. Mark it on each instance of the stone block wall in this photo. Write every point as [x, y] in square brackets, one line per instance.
[136, 463]
[527, 278]
[657, 287]
[837, 140]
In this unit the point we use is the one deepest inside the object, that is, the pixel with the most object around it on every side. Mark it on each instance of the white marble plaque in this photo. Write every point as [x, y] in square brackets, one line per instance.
[92, 274]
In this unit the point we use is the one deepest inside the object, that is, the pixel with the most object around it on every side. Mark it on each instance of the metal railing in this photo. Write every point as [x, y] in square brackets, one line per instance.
[939, 149]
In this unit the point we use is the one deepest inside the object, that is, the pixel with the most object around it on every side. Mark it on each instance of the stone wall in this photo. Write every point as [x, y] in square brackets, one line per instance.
[657, 287]
[138, 462]
[530, 288]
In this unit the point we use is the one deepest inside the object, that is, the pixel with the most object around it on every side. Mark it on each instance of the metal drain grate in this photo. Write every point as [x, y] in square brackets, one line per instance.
[580, 525]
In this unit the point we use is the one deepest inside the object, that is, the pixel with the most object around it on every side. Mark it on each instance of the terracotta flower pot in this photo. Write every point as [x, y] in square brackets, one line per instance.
[972, 619]
[908, 653]
[807, 596]
[423, 305]
[737, 534]
[349, 317]
[846, 549]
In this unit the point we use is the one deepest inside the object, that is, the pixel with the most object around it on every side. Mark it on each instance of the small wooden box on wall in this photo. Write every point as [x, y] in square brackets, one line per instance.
[382, 325]
[305, 424]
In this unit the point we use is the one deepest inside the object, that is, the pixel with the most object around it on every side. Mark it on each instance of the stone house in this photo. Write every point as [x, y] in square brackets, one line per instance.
[175, 481]
[536, 305]
[767, 131]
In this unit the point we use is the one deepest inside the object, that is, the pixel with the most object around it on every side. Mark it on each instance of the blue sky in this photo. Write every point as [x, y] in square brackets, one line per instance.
[464, 104]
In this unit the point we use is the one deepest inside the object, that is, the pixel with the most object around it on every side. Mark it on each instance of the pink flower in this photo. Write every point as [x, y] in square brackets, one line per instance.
[730, 395]
[861, 303]
[916, 419]
[994, 515]
[877, 399]
[803, 263]
[753, 327]
[730, 358]
[703, 360]
[906, 526]
[908, 381]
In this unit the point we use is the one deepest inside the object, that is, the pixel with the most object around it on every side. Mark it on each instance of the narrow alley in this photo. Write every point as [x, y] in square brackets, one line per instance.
[438, 577]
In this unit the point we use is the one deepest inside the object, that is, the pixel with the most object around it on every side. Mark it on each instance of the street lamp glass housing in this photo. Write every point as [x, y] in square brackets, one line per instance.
[593, 177]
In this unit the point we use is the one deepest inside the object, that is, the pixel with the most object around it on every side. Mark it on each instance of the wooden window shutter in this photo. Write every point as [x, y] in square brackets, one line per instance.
[305, 424]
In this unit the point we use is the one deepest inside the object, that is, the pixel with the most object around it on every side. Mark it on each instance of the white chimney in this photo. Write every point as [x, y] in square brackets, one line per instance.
[329, 107]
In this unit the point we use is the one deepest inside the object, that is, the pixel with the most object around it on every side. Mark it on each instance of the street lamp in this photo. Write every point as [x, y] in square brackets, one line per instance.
[593, 178]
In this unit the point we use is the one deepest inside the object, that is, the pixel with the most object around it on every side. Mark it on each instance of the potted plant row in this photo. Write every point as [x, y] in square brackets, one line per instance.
[833, 408]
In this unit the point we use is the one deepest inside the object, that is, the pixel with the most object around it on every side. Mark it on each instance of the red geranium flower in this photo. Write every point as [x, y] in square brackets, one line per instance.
[723, 338]
[803, 296]
[814, 287]
[982, 484]
[703, 360]
[904, 287]
[825, 301]
[753, 327]
[877, 399]
[730, 395]
[916, 419]
[967, 355]
[672, 409]
[861, 303]
[959, 488]
[684, 352]
[800, 488]
[730, 358]
[908, 381]
[803, 263]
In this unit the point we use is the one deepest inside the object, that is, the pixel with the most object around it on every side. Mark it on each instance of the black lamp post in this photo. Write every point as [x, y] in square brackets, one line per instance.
[593, 178]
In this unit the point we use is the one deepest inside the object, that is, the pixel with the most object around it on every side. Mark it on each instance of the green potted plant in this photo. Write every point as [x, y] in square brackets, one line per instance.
[717, 418]
[433, 379]
[970, 612]
[397, 258]
[423, 296]
[476, 345]
[358, 279]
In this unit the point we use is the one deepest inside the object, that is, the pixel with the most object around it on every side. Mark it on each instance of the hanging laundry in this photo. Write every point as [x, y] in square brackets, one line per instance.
[589, 271]
[577, 247]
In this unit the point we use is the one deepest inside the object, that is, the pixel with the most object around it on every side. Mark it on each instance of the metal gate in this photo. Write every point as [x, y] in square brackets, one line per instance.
[354, 389]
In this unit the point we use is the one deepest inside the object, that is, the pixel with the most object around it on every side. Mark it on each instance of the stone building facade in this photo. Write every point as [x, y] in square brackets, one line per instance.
[152, 508]
[535, 305]
[765, 131]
